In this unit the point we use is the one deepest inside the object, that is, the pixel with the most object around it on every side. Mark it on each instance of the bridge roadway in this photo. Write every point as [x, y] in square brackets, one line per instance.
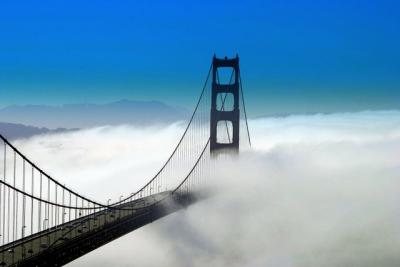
[62, 244]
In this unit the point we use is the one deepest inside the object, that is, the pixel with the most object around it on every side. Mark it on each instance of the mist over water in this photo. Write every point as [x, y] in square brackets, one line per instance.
[315, 190]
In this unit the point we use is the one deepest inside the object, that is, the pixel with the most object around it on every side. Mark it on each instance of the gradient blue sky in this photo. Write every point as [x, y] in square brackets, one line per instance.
[296, 56]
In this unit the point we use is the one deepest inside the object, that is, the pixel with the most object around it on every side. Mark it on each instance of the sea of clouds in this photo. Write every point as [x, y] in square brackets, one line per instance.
[314, 190]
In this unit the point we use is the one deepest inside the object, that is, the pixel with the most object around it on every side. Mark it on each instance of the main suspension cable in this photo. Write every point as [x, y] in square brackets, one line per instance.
[244, 109]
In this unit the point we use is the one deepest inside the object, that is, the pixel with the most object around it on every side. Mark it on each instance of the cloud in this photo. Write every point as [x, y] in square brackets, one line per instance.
[103, 162]
[315, 190]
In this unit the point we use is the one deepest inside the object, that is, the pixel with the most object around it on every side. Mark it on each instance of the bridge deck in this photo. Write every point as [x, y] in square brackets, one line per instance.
[62, 244]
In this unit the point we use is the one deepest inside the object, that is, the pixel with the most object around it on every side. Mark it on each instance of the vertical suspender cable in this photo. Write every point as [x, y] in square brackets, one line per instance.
[33, 188]
[15, 205]
[23, 200]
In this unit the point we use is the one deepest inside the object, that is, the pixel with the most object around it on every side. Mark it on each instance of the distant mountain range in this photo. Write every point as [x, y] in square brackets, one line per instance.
[13, 131]
[89, 115]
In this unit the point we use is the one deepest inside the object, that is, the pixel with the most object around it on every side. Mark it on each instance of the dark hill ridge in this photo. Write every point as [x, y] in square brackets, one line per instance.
[89, 115]
[14, 131]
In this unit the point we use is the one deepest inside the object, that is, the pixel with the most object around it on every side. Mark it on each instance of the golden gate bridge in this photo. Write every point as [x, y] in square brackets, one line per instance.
[45, 223]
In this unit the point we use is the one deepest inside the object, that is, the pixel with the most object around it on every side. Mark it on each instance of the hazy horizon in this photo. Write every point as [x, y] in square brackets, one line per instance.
[24, 110]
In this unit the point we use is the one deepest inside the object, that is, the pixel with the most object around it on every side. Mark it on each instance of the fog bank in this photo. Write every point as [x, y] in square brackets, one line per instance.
[317, 190]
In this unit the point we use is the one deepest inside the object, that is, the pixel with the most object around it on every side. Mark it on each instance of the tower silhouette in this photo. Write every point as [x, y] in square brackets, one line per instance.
[221, 114]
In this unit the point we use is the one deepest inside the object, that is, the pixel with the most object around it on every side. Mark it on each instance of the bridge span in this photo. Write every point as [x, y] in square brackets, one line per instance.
[45, 223]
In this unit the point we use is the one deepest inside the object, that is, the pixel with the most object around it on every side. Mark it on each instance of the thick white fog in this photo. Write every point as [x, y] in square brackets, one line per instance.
[316, 190]
[104, 162]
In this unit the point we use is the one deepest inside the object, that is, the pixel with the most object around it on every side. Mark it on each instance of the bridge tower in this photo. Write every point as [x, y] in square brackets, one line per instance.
[221, 114]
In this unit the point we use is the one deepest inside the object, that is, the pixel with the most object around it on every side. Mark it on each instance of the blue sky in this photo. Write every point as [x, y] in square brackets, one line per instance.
[296, 56]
